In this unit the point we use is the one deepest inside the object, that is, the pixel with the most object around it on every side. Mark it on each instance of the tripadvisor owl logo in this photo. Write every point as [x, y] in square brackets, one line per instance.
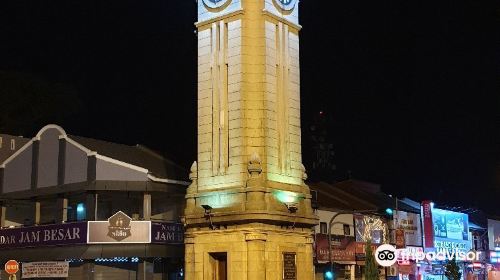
[386, 255]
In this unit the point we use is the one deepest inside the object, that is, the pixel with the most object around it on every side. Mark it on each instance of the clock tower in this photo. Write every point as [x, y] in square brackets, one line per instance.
[248, 211]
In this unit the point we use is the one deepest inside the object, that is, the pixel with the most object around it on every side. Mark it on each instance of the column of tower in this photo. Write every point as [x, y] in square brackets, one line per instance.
[248, 201]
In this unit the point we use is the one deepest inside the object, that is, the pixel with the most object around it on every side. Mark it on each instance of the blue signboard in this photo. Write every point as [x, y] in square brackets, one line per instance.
[451, 230]
[167, 233]
[46, 235]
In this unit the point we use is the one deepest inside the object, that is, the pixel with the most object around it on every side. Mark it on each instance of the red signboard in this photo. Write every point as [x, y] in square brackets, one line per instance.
[343, 249]
[11, 267]
[400, 238]
[427, 221]
[361, 248]
[407, 269]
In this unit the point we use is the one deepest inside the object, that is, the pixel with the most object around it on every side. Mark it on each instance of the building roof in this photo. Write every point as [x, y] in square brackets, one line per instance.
[6, 149]
[332, 198]
[357, 195]
[137, 155]
[53, 158]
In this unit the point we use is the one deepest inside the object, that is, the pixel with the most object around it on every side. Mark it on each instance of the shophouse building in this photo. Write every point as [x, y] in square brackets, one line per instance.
[359, 212]
[100, 210]
[493, 267]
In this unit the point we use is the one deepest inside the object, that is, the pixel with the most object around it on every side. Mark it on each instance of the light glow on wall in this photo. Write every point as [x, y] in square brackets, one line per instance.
[218, 200]
[287, 197]
[80, 212]
[80, 208]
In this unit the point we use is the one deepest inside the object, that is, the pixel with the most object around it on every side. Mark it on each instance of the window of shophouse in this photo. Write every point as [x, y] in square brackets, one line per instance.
[77, 207]
[19, 213]
[347, 230]
[323, 228]
[218, 266]
[81, 211]
[166, 206]
[49, 211]
[130, 203]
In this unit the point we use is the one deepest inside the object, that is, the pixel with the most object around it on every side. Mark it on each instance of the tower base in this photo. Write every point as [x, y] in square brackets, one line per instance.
[252, 251]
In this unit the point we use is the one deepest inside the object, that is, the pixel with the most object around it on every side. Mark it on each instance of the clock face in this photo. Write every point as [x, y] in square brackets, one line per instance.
[286, 4]
[215, 3]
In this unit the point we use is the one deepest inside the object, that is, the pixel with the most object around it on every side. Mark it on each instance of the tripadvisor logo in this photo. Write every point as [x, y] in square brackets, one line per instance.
[442, 255]
[388, 255]
[385, 255]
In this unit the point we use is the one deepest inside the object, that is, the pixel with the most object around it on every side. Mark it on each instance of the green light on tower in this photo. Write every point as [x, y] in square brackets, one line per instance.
[287, 197]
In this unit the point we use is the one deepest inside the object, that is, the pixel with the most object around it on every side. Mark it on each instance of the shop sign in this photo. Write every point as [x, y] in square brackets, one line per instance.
[410, 224]
[167, 233]
[11, 267]
[450, 246]
[449, 231]
[371, 228]
[343, 248]
[400, 238]
[406, 269]
[495, 257]
[119, 228]
[494, 234]
[361, 249]
[289, 266]
[49, 235]
[428, 227]
[450, 225]
[45, 270]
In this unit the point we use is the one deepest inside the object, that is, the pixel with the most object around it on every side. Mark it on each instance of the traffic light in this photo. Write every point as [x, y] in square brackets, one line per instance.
[328, 273]
[389, 211]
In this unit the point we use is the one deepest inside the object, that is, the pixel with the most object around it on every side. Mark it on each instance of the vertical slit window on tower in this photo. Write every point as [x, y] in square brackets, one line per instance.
[215, 97]
[220, 112]
[279, 125]
[226, 91]
[222, 109]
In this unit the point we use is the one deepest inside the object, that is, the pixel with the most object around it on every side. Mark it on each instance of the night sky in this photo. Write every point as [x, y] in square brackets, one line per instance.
[409, 89]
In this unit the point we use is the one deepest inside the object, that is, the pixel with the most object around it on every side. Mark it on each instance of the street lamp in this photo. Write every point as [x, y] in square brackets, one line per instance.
[341, 212]
[208, 213]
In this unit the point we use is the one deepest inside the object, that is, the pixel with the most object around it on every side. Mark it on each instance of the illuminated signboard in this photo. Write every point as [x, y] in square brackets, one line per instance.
[494, 234]
[450, 231]
[371, 228]
[495, 257]
[411, 225]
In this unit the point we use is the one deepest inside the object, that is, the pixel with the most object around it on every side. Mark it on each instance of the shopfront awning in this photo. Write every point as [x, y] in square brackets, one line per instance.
[345, 262]
[90, 252]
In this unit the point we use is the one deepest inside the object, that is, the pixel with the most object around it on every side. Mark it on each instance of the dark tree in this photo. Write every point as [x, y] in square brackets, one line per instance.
[371, 267]
[452, 271]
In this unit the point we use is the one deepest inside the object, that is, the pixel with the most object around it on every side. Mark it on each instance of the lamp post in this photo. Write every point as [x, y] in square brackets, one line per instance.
[341, 212]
